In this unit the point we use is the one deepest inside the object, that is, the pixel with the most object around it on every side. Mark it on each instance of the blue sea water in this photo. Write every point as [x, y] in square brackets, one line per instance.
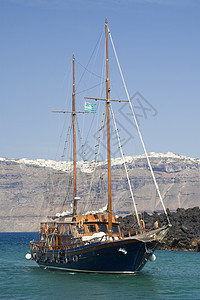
[174, 275]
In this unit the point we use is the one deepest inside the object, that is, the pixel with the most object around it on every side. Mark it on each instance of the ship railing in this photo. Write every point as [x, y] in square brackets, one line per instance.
[74, 243]
[34, 245]
[134, 232]
[158, 233]
[44, 246]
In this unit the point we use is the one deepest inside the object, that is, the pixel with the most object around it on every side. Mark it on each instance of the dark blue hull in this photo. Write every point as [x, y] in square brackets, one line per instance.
[122, 256]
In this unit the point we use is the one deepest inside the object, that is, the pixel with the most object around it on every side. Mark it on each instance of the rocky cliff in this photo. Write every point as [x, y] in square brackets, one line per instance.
[32, 189]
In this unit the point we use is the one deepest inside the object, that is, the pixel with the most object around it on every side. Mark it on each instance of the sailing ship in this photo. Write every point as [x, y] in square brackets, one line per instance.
[93, 242]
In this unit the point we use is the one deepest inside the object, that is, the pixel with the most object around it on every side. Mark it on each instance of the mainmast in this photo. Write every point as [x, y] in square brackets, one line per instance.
[108, 135]
[74, 139]
[108, 101]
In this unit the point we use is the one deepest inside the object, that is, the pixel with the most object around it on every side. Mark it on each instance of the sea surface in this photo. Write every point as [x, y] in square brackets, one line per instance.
[174, 275]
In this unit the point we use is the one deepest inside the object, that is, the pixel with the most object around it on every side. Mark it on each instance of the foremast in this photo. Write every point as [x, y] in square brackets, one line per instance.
[74, 141]
[73, 113]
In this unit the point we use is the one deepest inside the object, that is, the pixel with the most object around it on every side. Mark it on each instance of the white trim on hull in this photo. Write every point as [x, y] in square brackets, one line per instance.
[87, 271]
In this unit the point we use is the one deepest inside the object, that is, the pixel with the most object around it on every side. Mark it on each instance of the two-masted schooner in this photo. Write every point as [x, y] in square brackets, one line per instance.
[93, 242]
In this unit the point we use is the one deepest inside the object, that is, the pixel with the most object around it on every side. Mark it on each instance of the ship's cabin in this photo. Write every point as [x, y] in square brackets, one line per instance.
[83, 228]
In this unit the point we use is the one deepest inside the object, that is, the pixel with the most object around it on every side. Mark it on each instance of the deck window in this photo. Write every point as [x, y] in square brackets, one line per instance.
[65, 229]
[103, 227]
[115, 229]
[91, 228]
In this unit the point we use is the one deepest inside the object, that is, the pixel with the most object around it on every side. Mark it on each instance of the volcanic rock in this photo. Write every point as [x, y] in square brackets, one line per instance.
[184, 233]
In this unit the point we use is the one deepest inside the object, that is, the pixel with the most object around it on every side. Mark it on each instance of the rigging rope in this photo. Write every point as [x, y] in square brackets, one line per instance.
[101, 83]
[66, 140]
[124, 162]
[101, 90]
[138, 129]
[68, 190]
[61, 135]
[98, 149]
[98, 138]
[82, 152]
[85, 68]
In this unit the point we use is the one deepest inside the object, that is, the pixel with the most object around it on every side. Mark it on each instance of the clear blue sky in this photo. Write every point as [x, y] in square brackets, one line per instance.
[158, 43]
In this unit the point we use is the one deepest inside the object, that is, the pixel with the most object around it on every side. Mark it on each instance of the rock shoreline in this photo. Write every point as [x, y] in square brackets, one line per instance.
[184, 233]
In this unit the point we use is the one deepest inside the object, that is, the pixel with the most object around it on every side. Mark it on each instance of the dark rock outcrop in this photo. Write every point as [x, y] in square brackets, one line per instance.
[184, 233]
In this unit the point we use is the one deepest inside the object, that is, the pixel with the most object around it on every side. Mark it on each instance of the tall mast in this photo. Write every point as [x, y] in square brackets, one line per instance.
[74, 139]
[108, 136]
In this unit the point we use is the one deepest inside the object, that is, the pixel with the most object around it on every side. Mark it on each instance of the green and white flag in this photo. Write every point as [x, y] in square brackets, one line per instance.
[90, 108]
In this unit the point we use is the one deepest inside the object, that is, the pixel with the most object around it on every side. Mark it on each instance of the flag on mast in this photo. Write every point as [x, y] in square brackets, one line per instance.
[90, 107]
